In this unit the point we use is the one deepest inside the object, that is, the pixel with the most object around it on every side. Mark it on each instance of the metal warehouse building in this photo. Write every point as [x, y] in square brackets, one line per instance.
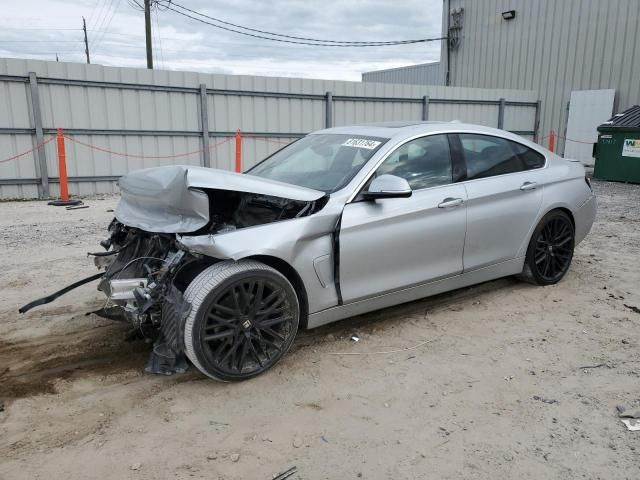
[565, 50]
[423, 74]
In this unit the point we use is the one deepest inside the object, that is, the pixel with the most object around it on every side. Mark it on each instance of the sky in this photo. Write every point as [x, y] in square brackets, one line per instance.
[43, 28]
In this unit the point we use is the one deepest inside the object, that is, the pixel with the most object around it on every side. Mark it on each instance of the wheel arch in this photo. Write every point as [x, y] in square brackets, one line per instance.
[528, 275]
[567, 211]
[543, 213]
[190, 271]
[294, 278]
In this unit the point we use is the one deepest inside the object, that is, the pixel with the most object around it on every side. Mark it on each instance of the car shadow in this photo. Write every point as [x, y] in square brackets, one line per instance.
[397, 314]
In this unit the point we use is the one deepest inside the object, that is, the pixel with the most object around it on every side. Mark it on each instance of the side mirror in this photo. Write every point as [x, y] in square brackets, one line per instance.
[387, 186]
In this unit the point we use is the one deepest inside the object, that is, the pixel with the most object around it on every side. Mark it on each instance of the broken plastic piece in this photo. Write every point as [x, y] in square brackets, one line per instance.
[53, 296]
[64, 203]
[625, 414]
[632, 424]
[165, 361]
[285, 474]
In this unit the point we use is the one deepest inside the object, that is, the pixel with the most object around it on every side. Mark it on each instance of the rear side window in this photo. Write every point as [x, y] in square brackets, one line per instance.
[487, 156]
[530, 158]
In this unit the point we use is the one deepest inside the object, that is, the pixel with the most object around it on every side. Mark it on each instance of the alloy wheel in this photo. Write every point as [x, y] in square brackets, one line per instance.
[554, 248]
[247, 326]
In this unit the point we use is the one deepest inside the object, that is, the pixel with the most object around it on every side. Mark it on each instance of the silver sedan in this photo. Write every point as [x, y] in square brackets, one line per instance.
[225, 268]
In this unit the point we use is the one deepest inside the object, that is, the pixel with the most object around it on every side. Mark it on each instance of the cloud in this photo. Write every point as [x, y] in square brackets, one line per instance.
[116, 35]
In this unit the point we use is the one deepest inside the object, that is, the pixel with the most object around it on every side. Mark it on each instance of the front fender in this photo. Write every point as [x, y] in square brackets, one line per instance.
[298, 242]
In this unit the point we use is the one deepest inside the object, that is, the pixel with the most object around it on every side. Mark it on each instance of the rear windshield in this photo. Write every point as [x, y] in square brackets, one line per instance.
[325, 162]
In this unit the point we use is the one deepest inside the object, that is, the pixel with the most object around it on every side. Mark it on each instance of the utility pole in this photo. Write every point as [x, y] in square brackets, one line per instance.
[147, 28]
[86, 43]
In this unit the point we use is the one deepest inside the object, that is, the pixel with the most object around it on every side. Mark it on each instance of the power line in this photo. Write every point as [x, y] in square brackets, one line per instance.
[125, 57]
[113, 12]
[40, 41]
[294, 39]
[200, 45]
[373, 44]
[290, 36]
[101, 21]
[98, 12]
[108, 16]
[40, 52]
[93, 10]
[136, 4]
[207, 52]
[38, 28]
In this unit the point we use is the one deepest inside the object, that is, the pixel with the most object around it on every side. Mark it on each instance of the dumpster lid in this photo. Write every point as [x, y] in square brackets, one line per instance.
[630, 118]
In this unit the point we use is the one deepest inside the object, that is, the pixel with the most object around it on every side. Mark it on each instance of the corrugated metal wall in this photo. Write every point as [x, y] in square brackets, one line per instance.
[422, 74]
[552, 47]
[146, 114]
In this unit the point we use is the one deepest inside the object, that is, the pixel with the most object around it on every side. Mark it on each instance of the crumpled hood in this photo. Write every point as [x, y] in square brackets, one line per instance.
[170, 200]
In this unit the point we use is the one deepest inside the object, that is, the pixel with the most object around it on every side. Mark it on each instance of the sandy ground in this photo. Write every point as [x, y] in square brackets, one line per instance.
[500, 391]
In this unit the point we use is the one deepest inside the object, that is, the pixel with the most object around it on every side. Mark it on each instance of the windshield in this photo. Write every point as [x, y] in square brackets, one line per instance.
[325, 162]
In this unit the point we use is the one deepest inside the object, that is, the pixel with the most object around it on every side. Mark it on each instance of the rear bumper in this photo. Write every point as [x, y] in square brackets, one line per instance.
[584, 218]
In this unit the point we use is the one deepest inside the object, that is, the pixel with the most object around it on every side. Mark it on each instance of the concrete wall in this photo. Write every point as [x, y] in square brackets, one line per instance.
[150, 115]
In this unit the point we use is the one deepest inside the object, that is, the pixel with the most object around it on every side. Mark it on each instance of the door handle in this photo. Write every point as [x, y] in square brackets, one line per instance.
[450, 202]
[528, 186]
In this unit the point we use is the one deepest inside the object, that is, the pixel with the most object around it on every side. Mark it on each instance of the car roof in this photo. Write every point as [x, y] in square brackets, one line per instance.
[404, 129]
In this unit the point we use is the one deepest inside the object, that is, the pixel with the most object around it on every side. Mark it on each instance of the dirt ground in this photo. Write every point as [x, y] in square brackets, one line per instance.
[515, 381]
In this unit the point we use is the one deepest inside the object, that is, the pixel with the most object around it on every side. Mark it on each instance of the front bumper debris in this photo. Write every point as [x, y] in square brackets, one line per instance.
[138, 279]
[59, 293]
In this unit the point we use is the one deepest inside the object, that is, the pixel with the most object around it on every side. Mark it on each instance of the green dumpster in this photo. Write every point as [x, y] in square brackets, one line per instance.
[617, 152]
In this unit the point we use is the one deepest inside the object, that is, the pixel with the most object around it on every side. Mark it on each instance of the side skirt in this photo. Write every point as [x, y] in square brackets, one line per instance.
[503, 269]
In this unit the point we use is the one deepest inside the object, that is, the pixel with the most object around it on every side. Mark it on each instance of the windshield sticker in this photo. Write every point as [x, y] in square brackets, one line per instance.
[361, 143]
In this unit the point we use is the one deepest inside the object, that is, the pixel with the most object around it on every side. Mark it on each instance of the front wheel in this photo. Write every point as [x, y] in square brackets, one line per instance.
[243, 319]
[550, 250]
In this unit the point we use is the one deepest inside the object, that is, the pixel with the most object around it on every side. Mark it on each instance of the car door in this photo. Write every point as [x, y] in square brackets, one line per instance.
[504, 194]
[390, 244]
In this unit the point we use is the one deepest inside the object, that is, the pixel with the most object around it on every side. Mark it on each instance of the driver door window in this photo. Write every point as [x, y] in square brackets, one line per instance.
[424, 162]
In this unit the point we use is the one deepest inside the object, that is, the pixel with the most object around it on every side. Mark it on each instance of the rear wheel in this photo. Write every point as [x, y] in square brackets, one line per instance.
[550, 250]
[244, 317]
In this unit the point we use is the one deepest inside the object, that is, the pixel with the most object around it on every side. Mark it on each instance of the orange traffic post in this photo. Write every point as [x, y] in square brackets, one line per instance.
[238, 151]
[552, 140]
[62, 167]
[62, 173]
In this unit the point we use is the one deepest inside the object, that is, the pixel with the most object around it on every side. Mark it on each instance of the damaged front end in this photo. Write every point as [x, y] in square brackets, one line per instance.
[141, 270]
[147, 269]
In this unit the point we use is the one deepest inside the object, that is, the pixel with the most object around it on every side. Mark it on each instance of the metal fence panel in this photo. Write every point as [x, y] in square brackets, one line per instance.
[15, 104]
[156, 116]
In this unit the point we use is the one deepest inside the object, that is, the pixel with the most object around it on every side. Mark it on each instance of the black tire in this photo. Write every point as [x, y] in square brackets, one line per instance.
[243, 319]
[550, 249]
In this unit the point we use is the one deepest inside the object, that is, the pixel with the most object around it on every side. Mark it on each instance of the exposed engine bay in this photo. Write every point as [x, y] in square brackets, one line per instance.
[235, 210]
